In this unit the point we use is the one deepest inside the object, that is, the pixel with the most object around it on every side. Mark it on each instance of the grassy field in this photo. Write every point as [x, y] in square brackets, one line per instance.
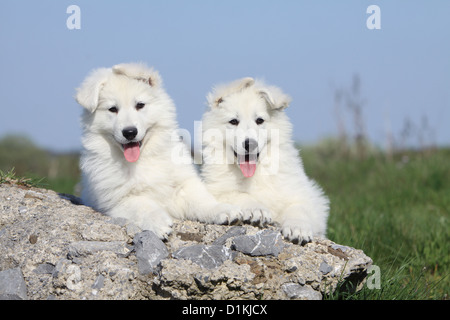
[395, 208]
[59, 172]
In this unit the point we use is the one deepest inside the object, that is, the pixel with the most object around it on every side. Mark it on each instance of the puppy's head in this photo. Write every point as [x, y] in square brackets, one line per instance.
[245, 110]
[121, 104]
[88, 94]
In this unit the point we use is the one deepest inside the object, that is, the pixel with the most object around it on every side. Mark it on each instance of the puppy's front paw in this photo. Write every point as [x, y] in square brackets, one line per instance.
[159, 222]
[224, 213]
[297, 231]
[257, 215]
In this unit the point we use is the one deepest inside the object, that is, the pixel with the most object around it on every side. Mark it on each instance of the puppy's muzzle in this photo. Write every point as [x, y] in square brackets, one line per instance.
[130, 133]
[250, 145]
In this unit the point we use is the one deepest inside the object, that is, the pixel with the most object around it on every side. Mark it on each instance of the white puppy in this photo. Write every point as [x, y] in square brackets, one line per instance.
[133, 163]
[250, 160]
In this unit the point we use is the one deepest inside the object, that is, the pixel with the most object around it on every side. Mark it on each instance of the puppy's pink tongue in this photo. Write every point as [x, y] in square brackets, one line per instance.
[131, 151]
[248, 168]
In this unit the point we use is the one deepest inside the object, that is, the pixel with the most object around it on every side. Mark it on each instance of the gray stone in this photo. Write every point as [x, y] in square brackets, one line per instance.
[12, 285]
[99, 282]
[84, 248]
[150, 250]
[60, 267]
[325, 268]
[205, 256]
[233, 232]
[44, 268]
[23, 209]
[340, 247]
[263, 243]
[296, 291]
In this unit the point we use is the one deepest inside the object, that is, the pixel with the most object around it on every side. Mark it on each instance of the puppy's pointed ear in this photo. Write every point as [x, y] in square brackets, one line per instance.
[88, 93]
[275, 98]
[217, 97]
[139, 71]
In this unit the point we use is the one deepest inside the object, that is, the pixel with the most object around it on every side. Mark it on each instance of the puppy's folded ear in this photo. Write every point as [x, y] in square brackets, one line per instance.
[243, 83]
[88, 93]
[139, 71]
[275, 98]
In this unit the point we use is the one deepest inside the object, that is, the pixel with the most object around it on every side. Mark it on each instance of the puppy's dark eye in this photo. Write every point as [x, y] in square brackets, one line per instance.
[234, 122]
[140, 105]
[259, 121]
[113, 109]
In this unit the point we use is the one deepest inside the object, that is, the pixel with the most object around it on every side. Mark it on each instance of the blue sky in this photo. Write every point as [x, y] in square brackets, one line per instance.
[308, 48]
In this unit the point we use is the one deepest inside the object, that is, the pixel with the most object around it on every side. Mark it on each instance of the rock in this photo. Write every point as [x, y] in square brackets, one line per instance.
[233, 232]
[12, 285]
[150, 250]
[85, 248]
[205, 256]
[263, 243]
[99, 282]
[52, 247]
[44, 268]
[22, 209]
[296, 291]
[325, 268]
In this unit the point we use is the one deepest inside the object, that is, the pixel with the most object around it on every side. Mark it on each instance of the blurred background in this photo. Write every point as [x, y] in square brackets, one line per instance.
[370, 109]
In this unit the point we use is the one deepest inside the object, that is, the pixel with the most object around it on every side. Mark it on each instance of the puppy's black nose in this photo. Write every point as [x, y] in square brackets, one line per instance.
[130, 133]
[250, 145]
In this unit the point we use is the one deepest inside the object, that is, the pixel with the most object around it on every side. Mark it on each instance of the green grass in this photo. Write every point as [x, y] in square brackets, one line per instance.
[397, 211]
[59, 184]
[10, 177]
[56, 171]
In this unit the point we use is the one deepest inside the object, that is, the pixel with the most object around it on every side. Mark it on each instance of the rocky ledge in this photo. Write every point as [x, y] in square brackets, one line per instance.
[54, 248]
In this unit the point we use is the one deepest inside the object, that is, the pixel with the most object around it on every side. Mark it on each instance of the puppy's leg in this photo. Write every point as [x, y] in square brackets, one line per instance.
[252, 211]
[297, 224]
[198, 203]
[146, 214]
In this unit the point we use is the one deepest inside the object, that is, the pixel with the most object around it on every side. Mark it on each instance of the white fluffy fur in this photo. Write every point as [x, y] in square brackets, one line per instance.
[155, 189]
[279, 190]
